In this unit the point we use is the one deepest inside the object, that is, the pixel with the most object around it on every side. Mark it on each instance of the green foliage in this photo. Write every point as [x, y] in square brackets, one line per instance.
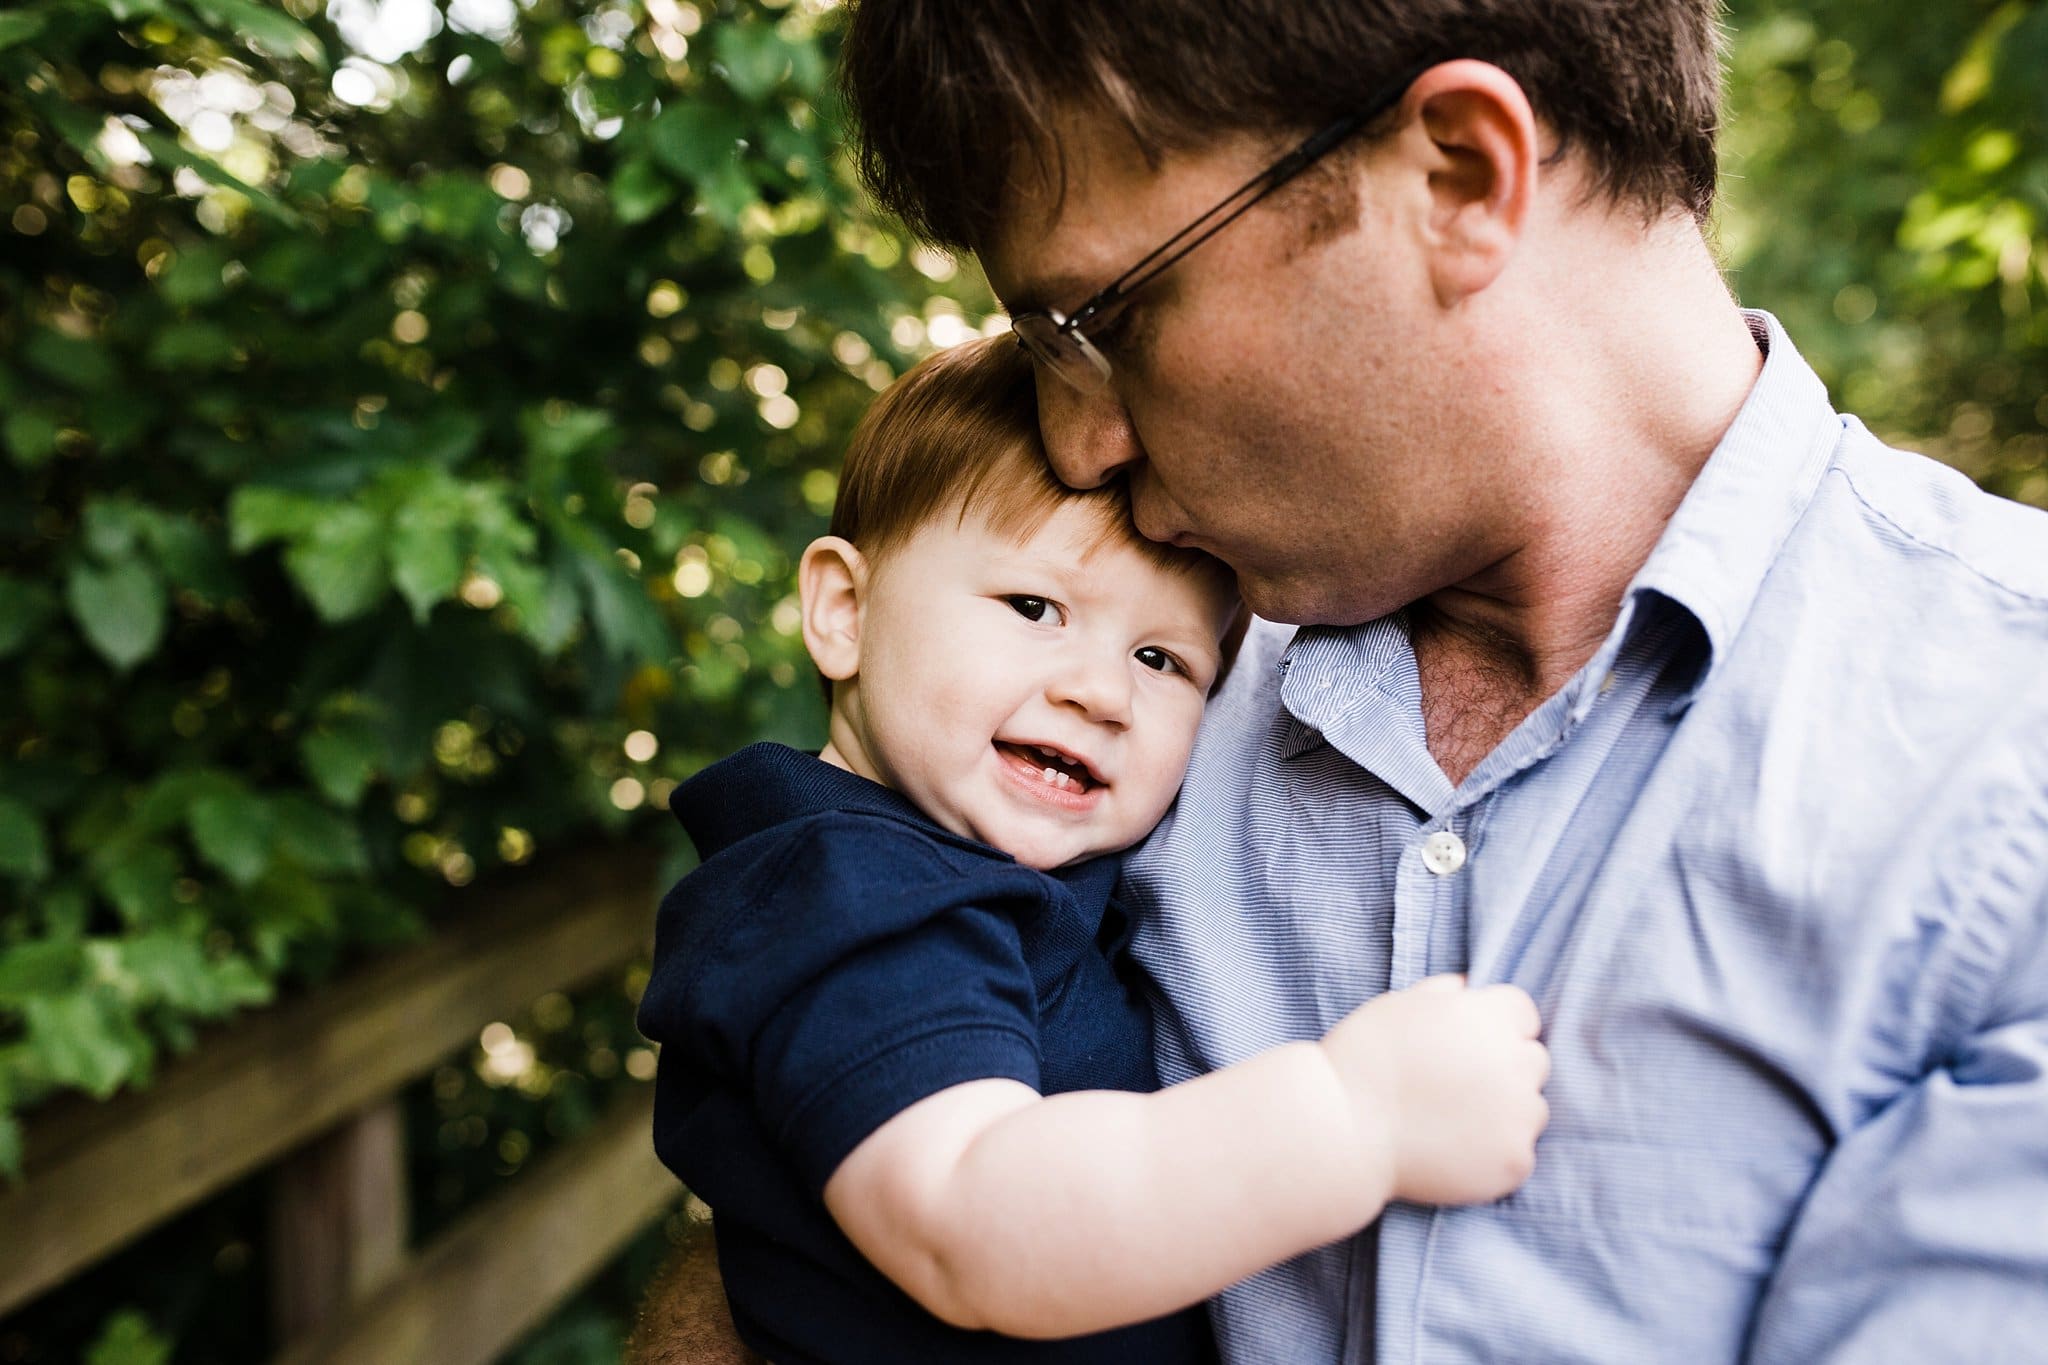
[390, 436]
[1887, 194]
[129, 1340]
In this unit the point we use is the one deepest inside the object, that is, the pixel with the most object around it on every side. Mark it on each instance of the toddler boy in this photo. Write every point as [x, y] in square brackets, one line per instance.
[905, 1057]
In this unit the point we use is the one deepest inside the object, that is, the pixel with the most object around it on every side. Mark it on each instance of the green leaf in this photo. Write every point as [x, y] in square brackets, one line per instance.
[120, 609]
[39, 967]
[560, 434]
[290, 903]
[696, 140]
[258, 514]
[172, 155]
[639, 191]
[239, 985]
[128, 1339]
[85, 1040]
[233, 831]
[340, 562]
[189, 555]
[195, 345]
[266, 27]
[319, 840]
[164, 968]
[171, 969]
[110, 526]
[754, 56]
[546, 602]
[726, 193]
[20, 27]
[24, 851]
[31, 435]
[75, 362]
[343, 759]
[24, 607]
[447, 437]
[626, 620]
[139, 879]
[426, 553]
[194, 275]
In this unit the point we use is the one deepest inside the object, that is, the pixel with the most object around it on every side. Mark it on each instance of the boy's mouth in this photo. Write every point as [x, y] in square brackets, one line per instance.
[1055, 767]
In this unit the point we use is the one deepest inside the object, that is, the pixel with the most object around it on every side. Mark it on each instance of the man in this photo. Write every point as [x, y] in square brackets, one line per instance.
[1629, 671]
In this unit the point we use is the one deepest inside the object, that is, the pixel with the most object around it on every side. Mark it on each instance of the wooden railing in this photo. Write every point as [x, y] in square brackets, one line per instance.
[308, 1087]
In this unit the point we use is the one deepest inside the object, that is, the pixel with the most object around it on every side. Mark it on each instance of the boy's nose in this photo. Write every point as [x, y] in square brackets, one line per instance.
[1099, 688]
[1088, 436]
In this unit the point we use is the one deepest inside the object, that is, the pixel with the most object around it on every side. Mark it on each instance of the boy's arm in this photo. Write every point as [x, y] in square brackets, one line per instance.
[1046, 1217]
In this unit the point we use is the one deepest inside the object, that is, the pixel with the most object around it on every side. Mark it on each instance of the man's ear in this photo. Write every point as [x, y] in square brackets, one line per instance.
[1479, 141]
[832, 579]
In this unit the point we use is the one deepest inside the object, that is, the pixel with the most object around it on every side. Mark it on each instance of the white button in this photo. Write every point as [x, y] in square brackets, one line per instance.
[1443, 853]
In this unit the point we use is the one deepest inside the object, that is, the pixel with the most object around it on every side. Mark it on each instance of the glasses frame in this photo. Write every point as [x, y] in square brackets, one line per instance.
[1057, 340]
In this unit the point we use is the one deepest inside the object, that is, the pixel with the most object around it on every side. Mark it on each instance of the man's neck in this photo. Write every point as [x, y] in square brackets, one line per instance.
[1615, 419]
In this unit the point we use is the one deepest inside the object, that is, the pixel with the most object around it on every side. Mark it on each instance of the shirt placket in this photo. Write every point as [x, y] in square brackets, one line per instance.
[1431, 899]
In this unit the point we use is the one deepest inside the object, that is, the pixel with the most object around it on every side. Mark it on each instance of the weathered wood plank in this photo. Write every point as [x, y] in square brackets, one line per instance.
[338, 1217]
[99, 1174]
[499, 1272]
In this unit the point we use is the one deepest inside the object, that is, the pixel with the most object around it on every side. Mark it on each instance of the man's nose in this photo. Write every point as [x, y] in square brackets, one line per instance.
[1088, 436]
[1098, 685]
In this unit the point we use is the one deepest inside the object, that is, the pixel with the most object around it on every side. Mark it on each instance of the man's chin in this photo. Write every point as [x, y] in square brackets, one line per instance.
[1294, 601]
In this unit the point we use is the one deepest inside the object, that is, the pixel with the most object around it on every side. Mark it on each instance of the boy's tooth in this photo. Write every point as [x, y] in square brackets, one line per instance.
[1049, 774]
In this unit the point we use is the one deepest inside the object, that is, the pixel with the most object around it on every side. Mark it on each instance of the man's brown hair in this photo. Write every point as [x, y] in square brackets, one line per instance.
[951, 95]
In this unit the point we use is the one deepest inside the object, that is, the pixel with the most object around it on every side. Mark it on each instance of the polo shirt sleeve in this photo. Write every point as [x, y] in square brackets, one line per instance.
[858, 968]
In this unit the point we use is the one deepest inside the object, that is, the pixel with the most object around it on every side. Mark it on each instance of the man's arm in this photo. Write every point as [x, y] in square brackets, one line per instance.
[683, 1319]
[1926, 1235]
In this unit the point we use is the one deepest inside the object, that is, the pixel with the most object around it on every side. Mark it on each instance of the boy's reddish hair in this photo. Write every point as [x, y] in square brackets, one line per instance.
[957, 435]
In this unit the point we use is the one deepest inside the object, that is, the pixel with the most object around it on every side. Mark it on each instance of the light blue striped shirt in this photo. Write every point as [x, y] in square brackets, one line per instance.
[1774, 865]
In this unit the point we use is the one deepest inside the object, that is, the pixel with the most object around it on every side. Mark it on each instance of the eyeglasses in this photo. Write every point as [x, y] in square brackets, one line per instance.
[1060, 342]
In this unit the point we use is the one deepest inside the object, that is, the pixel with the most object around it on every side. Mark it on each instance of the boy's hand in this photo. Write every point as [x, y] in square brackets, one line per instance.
[1451, 1082]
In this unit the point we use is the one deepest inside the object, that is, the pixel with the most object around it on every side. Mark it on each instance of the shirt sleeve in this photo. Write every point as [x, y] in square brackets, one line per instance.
[1925, 1236]
[860, 970]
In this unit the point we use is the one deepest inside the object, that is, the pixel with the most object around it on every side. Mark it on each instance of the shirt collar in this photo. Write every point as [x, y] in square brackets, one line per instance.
[1721, 542]
[766, 784]
[1710, 563]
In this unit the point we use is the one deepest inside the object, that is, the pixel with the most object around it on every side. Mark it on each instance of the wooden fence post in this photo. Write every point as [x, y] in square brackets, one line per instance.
[338, 1217]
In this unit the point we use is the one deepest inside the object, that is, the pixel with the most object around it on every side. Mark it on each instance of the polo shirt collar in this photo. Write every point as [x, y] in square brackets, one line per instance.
[767, 784]
[764, 785]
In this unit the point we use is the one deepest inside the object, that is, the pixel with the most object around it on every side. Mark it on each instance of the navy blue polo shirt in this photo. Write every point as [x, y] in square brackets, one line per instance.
[836, 958]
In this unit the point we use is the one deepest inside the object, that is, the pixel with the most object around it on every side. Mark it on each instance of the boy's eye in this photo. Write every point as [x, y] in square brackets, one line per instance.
[1031, 608]
[1158, 659]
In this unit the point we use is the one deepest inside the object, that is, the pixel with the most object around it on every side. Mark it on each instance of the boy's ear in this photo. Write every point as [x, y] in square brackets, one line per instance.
[832, 580]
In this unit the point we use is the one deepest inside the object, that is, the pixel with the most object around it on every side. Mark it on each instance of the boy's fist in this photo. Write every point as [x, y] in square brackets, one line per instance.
[1450, 1083]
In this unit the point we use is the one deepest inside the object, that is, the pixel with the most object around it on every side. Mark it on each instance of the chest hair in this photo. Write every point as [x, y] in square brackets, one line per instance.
[1475, 690]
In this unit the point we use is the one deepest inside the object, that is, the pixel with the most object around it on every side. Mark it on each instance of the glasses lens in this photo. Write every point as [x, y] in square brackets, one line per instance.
[1066, 353]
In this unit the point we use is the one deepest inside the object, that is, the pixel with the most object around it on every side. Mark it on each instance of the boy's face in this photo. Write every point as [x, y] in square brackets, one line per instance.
[1040, 696]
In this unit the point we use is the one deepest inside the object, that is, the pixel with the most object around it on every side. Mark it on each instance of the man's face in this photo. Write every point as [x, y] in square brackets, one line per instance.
[1039, 695]
[1282, 397]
